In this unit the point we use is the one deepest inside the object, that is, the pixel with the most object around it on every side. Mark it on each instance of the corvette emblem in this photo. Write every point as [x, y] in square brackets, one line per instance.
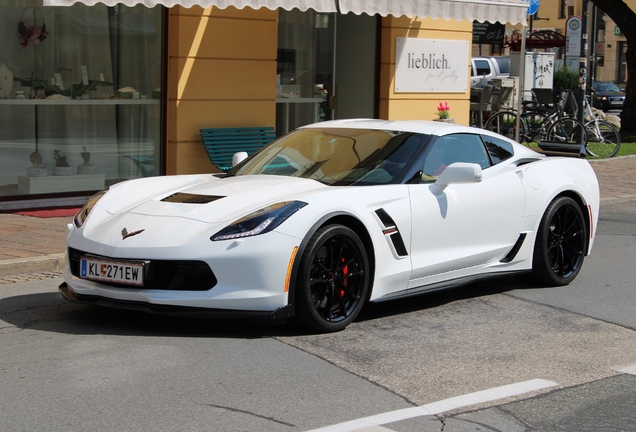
[125, 234]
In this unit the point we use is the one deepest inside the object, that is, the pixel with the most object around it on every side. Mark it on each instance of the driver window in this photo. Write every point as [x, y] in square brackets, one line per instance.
[453, 148]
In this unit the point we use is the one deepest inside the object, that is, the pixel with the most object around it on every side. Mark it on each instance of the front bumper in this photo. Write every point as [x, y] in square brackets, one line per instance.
[71, 295]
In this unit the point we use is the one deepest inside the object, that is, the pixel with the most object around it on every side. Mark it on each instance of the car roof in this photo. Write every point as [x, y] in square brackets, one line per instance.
[418, 126]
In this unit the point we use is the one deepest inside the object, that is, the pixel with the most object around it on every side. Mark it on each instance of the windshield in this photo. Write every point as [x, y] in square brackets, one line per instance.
[601, 86]
[338, 156]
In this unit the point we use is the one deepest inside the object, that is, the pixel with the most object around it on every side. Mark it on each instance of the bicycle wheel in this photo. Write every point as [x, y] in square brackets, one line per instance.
[603, 142]
[504, 123]
[567, 131]
[533, 121]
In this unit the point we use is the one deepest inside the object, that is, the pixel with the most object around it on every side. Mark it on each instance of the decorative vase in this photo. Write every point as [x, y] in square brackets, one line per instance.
[6, 81]
[446, 120]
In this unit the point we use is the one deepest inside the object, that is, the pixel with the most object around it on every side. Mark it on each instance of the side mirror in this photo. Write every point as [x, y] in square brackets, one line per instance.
[238, 157]
[458, 172]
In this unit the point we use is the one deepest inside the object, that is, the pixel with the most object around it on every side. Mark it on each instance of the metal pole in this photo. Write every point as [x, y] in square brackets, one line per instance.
[522, 63]
[583, 71]
[591, 75]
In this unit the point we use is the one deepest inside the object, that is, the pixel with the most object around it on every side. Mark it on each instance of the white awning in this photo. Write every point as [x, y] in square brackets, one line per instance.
[317, 5]
[504, 11]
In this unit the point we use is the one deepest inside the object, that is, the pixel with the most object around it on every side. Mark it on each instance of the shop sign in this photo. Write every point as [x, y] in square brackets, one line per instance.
[488, 33]
[431, 66]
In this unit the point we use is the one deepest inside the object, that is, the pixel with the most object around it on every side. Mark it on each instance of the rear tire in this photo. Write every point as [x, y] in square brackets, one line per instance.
[605, 143]
[560, 245]
[333, 279]
[567, 131]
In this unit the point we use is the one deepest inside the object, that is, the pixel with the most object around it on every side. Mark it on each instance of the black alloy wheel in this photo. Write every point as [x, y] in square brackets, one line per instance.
[333, 281]
[561, 243]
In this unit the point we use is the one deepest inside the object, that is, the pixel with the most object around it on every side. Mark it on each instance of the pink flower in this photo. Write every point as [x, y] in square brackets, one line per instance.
[443, 110]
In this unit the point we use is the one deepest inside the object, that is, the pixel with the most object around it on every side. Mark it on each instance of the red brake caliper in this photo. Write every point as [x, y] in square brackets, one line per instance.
[345, 270]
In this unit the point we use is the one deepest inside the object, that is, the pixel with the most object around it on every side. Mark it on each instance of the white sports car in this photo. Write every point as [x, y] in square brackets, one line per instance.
[331, 216]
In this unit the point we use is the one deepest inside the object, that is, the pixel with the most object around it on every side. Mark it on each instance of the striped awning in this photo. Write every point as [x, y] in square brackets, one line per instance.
[503, 11]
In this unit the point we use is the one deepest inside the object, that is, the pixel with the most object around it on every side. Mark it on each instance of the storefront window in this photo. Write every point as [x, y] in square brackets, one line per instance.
[305, 68]
[80, 91]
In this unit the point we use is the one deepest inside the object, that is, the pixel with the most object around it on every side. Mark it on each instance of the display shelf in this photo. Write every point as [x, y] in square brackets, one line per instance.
[53, 184]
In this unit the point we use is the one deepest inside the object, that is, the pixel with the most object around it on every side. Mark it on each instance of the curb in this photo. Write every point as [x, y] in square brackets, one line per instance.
[21, 266]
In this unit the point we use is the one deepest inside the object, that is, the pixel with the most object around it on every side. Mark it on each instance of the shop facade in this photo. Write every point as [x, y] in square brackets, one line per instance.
[101, 94]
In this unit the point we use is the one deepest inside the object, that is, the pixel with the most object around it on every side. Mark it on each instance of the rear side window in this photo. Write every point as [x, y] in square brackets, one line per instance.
[504, 64]
[482, 67]
[498, 149]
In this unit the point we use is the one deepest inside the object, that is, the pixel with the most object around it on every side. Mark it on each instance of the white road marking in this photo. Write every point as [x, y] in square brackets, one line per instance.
[440, 406]
[629, 369]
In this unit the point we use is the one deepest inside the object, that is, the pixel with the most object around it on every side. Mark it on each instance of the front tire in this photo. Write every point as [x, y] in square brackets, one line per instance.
[333, 279]
[561, 241]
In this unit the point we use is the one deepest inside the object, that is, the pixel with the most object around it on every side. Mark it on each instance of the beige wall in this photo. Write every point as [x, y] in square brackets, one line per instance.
[610, 63]
[221, 73]
[399, 106]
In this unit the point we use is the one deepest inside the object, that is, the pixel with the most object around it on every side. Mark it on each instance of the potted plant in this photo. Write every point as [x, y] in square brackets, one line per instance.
[443, 113]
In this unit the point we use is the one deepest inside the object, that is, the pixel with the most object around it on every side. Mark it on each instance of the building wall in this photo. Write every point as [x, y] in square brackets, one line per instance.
[399, 106]
[221, 73]
[611, 47]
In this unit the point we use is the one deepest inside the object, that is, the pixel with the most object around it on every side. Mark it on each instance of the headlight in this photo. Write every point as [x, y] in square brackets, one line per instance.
[260, 221]
[81, 215]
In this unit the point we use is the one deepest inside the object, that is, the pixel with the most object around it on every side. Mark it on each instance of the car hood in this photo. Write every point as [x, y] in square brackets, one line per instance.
[609, 93]
[203, 198]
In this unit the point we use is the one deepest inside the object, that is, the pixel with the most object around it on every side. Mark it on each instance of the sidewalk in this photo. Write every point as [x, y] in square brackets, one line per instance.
[32, 244]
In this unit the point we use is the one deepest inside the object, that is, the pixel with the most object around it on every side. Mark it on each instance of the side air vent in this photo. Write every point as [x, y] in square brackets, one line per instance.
[187, 198]
[391, 230]
[515, 249]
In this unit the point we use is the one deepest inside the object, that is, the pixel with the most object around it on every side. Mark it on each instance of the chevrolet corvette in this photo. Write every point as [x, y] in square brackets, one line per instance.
[331, 216]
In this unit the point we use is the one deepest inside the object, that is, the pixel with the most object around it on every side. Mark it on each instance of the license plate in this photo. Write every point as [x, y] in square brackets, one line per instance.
[129, 273]
[616, 102]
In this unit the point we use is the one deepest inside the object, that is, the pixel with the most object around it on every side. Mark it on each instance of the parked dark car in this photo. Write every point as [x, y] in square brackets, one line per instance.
[607, 95]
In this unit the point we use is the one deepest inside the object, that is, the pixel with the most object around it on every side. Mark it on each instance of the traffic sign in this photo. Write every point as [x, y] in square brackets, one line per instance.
[534, 6]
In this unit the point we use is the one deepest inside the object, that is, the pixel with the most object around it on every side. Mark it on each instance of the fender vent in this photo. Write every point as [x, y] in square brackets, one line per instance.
[391, 230]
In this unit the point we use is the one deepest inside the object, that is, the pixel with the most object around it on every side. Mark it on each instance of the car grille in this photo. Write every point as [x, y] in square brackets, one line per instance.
[177, 275]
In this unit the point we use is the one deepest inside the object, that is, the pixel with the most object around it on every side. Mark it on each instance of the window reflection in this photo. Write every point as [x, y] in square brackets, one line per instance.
[83, 109]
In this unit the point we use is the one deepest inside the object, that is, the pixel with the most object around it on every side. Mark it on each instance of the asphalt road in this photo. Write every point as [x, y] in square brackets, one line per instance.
[70, 367]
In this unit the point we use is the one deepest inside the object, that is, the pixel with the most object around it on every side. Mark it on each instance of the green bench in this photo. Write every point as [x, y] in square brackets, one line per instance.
[222, 143]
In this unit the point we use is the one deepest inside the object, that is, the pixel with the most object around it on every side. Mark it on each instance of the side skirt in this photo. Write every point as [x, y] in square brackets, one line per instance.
[454, 283]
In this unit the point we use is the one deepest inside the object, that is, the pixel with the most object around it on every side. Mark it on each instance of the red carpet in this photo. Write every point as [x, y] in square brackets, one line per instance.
[50, 213]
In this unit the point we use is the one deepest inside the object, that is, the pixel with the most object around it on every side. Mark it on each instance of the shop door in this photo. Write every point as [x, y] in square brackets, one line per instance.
[357, 64]
[326, 68]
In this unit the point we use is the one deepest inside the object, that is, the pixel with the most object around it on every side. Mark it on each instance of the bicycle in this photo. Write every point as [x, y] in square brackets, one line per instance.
[539, 121]
[604, 141]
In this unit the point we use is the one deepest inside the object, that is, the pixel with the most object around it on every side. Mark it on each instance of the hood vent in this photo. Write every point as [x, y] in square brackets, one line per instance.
[187, 198]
